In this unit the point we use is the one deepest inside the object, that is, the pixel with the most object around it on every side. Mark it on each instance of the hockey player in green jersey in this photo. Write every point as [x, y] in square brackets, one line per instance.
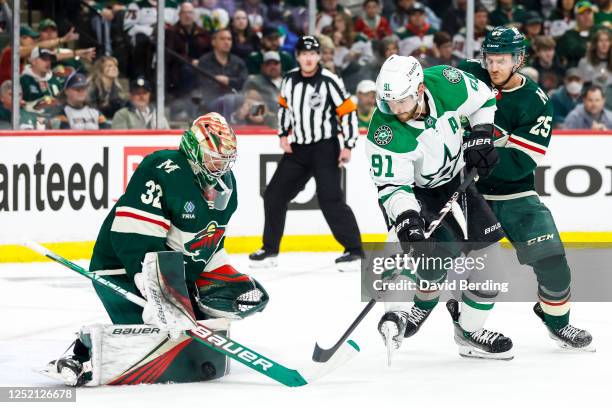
[416, 149]
[176, 200]
[523, 131]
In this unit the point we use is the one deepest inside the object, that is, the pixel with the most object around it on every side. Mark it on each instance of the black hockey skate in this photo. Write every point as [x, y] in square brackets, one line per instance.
[349, 262]
[262, 258]
[481, 343]
[416, 318]
[567, 337]
[68, 370]
[391, 326]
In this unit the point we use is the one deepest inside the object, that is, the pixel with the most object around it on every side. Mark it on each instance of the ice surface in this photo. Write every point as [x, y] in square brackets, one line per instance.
[43, 304]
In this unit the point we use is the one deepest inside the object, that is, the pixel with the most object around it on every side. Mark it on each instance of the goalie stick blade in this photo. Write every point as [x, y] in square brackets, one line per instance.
[346, 352]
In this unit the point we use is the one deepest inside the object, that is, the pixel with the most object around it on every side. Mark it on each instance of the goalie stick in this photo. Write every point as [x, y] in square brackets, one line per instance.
[322, 355]
[218, 342]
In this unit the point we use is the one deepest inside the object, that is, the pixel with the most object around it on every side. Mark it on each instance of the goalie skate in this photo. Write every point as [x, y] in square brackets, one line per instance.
[67, 370]
[391, 327]
[482, 343]
[568, 337]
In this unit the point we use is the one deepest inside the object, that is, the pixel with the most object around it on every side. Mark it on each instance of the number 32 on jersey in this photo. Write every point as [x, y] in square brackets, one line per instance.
[152, 195]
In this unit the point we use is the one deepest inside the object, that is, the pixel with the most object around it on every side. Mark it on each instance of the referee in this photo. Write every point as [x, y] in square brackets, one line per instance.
[315, 108]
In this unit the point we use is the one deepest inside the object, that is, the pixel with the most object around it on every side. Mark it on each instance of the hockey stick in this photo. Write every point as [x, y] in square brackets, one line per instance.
[322, 355]
[215, 340]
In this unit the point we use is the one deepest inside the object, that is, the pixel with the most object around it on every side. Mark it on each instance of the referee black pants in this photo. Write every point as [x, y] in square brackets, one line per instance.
[294, 170]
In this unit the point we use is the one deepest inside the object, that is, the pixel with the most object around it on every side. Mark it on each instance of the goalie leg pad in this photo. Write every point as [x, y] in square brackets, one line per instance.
[168, 306]
[144, 354]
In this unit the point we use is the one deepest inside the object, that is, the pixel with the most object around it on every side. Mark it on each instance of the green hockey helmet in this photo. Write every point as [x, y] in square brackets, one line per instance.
[504, 40]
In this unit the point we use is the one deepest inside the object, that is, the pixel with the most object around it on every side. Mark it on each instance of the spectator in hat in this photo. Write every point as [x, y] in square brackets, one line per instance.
[371, 24]
[227, 71]
[27, 120]
[567, 96]
[40, 87]
[481, 28]
[546, 62]
[417, 38]
[267, 82]
[596, 65]
[572, 46]
[75, 113]
[67, 60]
[27, 42]
[591, 113]
[507, 13]
[366, 102]
[270, 41]
[140, 113]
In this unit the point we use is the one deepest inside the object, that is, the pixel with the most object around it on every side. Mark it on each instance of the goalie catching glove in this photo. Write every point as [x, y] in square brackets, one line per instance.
[479, 151]
[225, 292]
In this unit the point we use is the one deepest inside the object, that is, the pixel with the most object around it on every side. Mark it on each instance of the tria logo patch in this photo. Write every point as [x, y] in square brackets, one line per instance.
[189, 208]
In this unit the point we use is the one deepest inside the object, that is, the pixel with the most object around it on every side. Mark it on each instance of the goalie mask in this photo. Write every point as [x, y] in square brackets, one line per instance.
[397, 85]
[210, 147]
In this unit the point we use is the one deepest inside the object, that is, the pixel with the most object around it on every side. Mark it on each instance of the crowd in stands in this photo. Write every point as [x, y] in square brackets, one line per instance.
[89, 64]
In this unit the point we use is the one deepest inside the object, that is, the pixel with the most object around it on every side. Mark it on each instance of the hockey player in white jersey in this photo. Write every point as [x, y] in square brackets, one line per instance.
[417, 152]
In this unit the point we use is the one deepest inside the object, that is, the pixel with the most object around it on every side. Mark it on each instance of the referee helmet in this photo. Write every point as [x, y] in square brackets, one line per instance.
[307, 43]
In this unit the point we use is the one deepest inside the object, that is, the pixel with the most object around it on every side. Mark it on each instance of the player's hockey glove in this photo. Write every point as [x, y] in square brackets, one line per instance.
[410, 230]
[479, 150]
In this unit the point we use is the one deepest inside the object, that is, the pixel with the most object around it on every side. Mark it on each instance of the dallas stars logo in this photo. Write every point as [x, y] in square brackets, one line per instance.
[383, 135]
[446, 170]
[453, 75]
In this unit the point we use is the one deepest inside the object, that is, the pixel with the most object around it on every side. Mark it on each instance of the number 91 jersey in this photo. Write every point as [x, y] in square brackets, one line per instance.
[522, 134]
[162, 209]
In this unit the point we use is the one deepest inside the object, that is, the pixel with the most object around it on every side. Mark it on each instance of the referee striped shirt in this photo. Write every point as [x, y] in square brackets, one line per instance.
[316, 108]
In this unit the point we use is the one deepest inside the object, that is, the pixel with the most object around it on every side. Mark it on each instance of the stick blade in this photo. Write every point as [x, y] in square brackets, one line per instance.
[345, 352]
[321, 355]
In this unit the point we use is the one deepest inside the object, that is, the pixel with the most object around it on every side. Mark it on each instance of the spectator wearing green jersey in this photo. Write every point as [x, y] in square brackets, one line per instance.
[572, 45]
[507, 13]
[27, 120]
[40, 87]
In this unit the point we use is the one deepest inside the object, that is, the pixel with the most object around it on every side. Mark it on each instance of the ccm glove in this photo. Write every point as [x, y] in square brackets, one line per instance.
[479, 150]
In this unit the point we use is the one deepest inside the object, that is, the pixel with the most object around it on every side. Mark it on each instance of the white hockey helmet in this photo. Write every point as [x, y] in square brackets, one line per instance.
[398, 84]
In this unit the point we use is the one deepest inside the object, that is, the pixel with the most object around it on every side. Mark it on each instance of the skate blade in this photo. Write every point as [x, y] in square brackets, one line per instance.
[390, 344]
[568, 347]
[472, 352]
[352, 266]
[66, 376]
[266, 263]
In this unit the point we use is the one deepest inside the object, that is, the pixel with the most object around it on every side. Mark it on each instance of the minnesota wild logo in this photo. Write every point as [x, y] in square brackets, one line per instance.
[205, 243]
[452, 74]
[383, 135]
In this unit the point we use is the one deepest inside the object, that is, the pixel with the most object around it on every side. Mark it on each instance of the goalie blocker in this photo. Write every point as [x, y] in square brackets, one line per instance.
[159, 351]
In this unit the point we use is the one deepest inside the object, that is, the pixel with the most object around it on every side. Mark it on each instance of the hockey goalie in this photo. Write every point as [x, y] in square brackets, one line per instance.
[164, 239]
